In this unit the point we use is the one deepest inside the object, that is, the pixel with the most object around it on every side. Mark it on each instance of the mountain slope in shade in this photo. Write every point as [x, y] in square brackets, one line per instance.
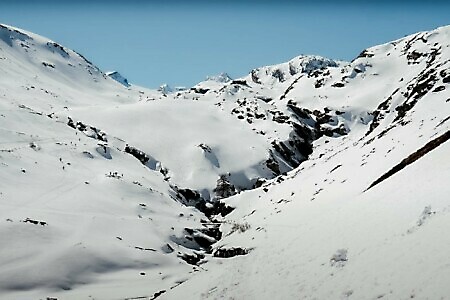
[119, 78]
[313, 178]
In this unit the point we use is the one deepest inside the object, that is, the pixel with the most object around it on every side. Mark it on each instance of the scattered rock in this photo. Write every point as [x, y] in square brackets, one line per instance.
[338, 84]
[339, 259]
[278, 74]
[366, 53]
[230, 252]
[192, 259]
[426, 213]
[35, 222]
[157, 294]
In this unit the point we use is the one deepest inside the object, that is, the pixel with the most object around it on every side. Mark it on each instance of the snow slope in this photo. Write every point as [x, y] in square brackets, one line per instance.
[337, 173]
[320, 233]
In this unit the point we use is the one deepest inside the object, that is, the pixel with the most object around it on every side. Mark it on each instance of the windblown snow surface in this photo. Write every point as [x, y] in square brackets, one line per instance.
[311, 179]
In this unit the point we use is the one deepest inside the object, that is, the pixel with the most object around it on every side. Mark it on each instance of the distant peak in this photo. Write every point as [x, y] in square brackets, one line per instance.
[222, 77]
[167, 89]
[309, 63]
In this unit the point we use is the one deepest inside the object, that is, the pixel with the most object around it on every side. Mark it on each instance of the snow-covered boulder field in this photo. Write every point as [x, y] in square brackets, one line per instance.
[311, 179]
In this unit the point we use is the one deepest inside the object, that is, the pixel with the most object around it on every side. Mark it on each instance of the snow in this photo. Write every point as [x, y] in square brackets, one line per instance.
[83, 217]
[119, 78]
[172, 132]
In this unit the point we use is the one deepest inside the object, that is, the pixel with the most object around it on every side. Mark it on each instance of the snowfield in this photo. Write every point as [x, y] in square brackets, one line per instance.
[311, 179]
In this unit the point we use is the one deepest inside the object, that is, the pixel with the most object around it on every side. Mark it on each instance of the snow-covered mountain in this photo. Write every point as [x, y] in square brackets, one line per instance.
[309, 179]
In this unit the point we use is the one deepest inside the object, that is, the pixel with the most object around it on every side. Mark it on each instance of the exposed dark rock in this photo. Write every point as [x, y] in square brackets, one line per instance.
[338, 84]
[410, 42]
[259, 115]
[439, 89]
[84, 58]
[433, 144]
[272, 164]
[70, 123]
[48, 65]
[414, 56]
[10, 34]
[366, 53]
[292, 70]
[144, 249]
[319, 83]
[286, 153]
[230, 252]
[240, 82]
[442, 122]
[157, 294]
[203, 240]
[167, 248]
[278, 74]
[255, 78]
[200, 90]
[212, 230]
[279, 118]
[304, 147]
[95, 132]
[416, 90]
[304, 132]
[60, 49]
[35, 222]
[335, 168]
[298, 111]
[432, 56]
[224, 188]
[205, 147]
[291, 86]
[190, 195]
[213, 209]
[264, 99]
[140, 155]
[259, 182]
[193, 259]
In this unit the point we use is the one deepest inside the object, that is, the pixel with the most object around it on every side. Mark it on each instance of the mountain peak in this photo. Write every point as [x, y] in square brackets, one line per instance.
[222, 78]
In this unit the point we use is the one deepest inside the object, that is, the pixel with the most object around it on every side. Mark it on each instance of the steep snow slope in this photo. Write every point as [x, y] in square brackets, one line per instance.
[78, 213]
[337, 172]
[319, 232]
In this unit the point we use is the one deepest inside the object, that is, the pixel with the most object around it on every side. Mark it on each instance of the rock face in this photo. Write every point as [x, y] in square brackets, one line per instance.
[119, 78]
[224, 188]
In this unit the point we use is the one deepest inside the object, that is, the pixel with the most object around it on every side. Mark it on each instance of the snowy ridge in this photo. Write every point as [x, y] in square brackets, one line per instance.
[312, 178]
[119, 78]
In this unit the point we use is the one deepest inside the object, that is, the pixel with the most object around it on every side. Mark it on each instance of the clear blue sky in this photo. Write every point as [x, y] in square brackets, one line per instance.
[181, 42]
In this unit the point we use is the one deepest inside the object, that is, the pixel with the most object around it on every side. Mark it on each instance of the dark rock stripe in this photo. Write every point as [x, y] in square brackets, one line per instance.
[413, 157]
